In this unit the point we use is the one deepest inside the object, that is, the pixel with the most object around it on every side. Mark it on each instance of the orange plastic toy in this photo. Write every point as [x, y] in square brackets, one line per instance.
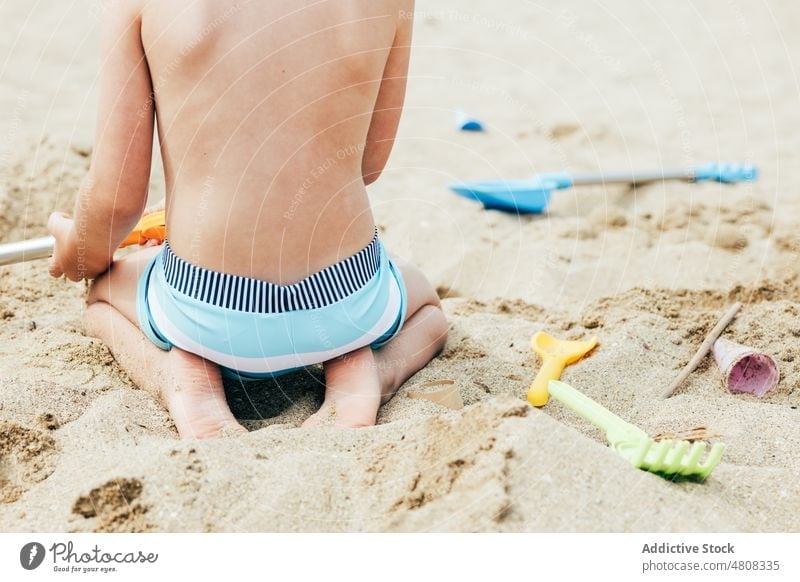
[152, 226]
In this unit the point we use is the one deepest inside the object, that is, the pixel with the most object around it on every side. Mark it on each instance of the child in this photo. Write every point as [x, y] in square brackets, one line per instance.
[272, 118]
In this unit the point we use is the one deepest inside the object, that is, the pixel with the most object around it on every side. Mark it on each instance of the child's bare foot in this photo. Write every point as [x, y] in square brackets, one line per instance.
[190, 387]
[359, 382]
[352, 392]
[195, 398]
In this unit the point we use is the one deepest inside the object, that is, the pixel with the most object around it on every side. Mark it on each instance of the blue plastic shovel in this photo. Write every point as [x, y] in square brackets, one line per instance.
[533, 194]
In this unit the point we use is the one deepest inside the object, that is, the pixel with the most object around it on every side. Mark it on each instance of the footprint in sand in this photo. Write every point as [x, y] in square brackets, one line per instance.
[726, 228]
[455, 459]
[113, 507]
[26, 458]
[43, 404]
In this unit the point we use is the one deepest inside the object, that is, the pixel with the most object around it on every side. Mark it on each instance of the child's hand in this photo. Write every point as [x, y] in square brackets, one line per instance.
[68, 259]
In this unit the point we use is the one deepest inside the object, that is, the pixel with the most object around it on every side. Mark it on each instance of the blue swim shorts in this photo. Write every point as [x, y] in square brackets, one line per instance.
[255, 329]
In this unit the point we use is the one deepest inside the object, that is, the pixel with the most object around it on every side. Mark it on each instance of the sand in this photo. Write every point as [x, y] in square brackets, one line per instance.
[566, 85]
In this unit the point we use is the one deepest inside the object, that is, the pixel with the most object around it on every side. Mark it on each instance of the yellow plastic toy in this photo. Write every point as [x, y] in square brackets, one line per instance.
[556, 355]
[152, 226]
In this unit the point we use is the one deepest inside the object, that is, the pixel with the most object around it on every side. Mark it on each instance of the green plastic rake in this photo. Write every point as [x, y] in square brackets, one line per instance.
[668, 458]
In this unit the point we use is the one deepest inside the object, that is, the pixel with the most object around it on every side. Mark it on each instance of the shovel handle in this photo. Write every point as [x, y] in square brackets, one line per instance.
[26, 250]
[551, 370]
[720, 172]
[584, 406]
[634, 177]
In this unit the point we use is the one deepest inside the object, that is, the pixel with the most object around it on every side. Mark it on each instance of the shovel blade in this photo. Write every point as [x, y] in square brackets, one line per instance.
[518, 196]
[570, 352]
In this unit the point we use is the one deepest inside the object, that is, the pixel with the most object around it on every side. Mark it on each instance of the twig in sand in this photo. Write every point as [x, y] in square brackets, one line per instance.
[701, 433]
[704, 348]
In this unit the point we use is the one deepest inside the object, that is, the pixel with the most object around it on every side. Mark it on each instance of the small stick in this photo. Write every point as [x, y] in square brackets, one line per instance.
[704, 348]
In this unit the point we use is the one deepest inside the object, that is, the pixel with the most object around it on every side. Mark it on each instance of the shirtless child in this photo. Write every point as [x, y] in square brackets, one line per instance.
[272, 119]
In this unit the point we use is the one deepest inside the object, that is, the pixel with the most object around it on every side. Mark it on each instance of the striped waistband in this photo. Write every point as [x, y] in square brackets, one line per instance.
[238, 293]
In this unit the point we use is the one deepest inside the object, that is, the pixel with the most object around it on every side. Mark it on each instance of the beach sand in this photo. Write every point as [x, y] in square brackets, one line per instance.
[567, 85]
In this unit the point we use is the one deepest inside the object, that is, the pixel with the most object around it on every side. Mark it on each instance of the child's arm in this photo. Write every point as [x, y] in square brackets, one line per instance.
[113, 194]
[389, 105]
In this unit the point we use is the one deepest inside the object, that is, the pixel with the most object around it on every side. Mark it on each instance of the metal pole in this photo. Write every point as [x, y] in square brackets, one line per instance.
[26, 250]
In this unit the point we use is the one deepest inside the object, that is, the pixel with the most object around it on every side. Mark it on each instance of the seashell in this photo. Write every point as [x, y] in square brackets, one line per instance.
[744, 370]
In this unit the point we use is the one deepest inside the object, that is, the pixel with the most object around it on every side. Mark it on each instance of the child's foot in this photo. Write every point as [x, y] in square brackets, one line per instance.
[189, 386]
[352, 392]
[196, 399]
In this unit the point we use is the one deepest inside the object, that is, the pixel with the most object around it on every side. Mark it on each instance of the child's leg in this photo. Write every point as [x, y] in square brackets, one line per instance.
[189, 386]
[358, 383]
[423, 335]
[352, 391]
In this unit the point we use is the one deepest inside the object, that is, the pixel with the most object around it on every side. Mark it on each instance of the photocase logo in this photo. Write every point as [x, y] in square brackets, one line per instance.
[31, 555]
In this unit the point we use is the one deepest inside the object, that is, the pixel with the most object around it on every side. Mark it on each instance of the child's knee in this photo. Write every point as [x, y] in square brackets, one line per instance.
[438, 327]
[419, 290]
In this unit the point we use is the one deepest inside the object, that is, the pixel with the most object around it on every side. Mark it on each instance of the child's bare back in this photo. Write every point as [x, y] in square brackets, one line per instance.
[264, 111]
[272, 117]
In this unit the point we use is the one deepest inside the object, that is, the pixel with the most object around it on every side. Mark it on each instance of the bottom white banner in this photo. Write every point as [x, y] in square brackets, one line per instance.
[401, 556]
